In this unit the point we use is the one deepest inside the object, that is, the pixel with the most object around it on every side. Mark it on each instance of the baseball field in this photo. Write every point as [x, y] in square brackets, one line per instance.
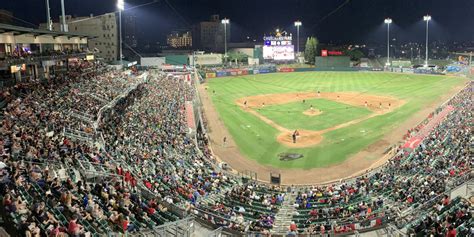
[333, 115]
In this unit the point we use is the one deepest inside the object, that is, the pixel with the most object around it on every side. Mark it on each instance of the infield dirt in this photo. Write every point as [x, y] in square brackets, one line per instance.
[379, 105]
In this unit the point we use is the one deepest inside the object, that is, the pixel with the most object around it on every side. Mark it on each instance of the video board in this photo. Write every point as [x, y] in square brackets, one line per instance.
[278, 48]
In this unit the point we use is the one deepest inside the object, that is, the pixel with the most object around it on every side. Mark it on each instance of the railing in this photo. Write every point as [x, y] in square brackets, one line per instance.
[216, 233]
[406, 215]
[184, 228]
[78, 135]
[39, 58]
[81, 116]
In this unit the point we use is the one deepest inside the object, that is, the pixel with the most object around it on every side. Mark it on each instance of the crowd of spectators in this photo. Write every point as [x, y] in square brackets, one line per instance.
[446, 218]
[34, 149]
[24, 54]
[136, 130]
[145, 143]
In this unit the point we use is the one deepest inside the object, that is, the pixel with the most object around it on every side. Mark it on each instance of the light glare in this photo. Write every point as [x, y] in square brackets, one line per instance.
[120, 5]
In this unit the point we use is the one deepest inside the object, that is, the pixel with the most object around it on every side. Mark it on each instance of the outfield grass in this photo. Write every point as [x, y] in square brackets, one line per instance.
[291, 115]
[256, 139]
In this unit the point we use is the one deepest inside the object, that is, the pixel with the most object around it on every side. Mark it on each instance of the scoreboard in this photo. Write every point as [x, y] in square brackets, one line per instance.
[278, 48]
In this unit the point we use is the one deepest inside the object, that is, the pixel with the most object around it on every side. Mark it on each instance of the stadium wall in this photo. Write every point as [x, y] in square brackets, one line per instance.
[176, 59]
[253, 71]
[333, 62]
[152, 61]
[206, 59]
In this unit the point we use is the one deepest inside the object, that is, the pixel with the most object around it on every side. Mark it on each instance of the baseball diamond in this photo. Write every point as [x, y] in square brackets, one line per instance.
[345, 121]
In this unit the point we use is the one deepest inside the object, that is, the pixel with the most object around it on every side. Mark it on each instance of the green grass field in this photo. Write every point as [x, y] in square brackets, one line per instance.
[291, 115]
[256, 139]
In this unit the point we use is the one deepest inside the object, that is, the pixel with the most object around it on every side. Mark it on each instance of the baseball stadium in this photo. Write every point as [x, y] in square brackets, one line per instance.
[233, 128]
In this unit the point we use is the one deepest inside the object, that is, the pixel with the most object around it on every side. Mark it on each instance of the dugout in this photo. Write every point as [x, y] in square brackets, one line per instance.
[333, 62]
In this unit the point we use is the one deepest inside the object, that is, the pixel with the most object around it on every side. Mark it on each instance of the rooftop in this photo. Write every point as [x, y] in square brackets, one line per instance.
[18, 30]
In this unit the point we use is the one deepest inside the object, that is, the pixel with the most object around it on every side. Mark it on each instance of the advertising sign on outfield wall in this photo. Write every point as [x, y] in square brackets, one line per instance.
[210, 75]
[286, 69]
[221, 73]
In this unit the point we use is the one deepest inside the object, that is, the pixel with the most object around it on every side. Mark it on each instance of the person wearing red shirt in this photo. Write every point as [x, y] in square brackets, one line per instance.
[74, 229]
[293, 227]
[147, 184]
[151, 210]
[119, 170]
[451, 232]
[128, 176]
[445, 200]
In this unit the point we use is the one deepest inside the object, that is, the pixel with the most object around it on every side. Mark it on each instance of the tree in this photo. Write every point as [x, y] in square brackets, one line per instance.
[311, 50]
[237, 56]
[355, 54]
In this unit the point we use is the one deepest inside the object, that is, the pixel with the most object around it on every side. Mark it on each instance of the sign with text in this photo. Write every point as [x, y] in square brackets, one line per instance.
[325, 53]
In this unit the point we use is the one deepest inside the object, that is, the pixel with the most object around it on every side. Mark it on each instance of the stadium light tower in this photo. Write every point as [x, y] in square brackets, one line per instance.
[298, 24]
[48, 17]
[121, 7]
[388, 21]
[225, 22]
[427, 18]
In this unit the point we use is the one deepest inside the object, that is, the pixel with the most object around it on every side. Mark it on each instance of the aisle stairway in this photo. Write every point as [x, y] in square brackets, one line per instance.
[218, 196]
[414, 141]
[285, 214]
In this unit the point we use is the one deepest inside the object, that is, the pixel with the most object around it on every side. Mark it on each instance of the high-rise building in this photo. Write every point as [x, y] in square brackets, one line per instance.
[103, 27]
[180, 39]
[130, 30]
[209, 35]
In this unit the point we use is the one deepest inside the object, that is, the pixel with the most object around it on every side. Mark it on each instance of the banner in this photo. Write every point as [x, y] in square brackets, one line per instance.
[324, 53]
[210, 75]
[221, 73]
[286, 69]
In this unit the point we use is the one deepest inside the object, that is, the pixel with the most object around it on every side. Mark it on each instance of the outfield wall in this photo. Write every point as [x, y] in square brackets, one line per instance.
[333, 62]
[238, 72]
[253, 71]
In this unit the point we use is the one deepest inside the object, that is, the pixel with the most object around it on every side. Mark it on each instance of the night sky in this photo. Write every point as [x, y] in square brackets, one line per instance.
[339, 21]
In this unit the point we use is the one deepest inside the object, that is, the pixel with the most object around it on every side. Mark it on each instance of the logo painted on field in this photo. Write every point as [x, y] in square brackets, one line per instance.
[285, 156]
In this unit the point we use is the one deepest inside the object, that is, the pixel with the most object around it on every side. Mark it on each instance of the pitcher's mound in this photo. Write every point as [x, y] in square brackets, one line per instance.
[312, 112]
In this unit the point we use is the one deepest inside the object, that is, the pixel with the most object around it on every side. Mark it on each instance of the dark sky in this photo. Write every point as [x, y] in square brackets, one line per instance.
[330, 20]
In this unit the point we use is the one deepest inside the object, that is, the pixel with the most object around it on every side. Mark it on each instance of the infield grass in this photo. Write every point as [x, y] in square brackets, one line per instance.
[291, 115]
